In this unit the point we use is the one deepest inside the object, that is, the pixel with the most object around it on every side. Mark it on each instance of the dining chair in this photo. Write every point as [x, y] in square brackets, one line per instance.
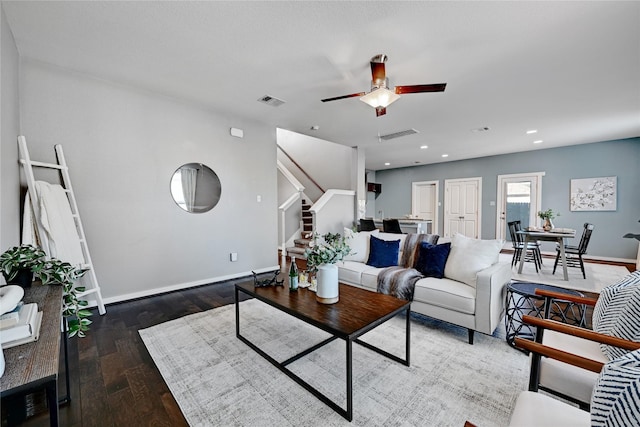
[573, 254]
[532, 253]
[391, 226]
[367, 225]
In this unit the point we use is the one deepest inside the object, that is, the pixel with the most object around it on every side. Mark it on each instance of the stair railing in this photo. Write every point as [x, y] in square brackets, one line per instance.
[289, 215]
[334, 210]
[304, 172]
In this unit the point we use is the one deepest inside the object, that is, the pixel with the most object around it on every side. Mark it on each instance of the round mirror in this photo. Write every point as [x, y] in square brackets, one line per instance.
[195, 187]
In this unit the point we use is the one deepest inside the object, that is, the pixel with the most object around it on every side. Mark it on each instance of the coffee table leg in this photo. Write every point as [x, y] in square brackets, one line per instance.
[349, 414]
[407, 337]
[237, 314]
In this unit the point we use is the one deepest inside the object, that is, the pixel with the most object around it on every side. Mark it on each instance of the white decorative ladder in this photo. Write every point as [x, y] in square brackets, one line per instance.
[91, 282]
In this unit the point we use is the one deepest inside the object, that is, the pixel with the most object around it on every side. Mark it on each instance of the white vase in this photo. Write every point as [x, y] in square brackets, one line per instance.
[328, 288]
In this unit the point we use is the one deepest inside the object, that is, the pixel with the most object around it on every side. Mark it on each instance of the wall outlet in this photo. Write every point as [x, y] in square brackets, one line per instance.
[258, 198]
[233, 256]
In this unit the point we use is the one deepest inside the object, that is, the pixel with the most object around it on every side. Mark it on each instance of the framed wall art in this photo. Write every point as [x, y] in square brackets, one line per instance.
[594, 194]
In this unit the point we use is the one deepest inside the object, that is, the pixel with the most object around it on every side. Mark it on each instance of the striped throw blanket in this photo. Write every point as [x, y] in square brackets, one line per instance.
[400, 281]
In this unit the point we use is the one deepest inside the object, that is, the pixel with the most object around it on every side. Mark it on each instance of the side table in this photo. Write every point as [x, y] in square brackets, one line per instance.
[521, 300]
[35, 365]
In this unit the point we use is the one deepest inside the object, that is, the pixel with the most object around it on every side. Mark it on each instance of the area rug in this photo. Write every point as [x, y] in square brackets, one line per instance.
[219, 381]
[598, 275]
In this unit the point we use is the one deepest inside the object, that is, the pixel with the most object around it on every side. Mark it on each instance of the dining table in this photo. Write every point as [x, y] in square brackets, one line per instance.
[554, 235]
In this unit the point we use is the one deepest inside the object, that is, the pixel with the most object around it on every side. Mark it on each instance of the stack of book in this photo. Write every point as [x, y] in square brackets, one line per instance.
[21, 325]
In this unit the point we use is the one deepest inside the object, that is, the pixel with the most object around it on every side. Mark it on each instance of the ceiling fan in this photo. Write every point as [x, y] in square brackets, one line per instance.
[380, 96]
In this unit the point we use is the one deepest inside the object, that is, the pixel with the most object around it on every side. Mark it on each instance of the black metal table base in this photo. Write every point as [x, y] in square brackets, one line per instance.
[282, 366]
[524, 301]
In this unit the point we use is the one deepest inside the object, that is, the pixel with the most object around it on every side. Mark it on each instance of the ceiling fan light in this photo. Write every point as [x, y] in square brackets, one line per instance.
[381, 97]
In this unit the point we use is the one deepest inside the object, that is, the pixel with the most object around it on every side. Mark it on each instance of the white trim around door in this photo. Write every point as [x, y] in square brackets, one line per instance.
[424, 202]
[530, 185]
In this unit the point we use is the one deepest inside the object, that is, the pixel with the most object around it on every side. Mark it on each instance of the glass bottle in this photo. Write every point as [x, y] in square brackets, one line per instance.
[293, 275]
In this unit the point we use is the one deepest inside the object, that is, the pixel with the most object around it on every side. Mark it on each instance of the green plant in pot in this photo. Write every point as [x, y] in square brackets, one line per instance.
[326, 249]
[547, 216]
[19, 263]
[56, 272]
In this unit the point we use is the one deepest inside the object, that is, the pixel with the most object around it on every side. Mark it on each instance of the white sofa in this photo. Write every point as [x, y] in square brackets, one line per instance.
[478, 306]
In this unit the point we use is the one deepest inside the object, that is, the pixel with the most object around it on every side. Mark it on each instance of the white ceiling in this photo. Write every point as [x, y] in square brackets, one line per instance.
[571, 70]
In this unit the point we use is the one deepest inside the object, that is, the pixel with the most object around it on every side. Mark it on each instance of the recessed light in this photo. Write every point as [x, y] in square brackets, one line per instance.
[424, 147]
[445, 155]
[532, 131]
[387, 164]
[538, 141]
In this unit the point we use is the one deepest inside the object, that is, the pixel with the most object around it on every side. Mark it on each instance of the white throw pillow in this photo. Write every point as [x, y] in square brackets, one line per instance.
[617, 311]
[359, 244]
[615, 401]
[469, 256]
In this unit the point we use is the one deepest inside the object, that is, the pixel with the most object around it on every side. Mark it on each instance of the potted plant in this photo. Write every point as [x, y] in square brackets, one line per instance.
[547, 216]
[18, 264]
[56, 272]
[322, 255]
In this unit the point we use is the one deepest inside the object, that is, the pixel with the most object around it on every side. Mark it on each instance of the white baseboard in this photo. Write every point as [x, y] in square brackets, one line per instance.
[179, 286]
[597, 258]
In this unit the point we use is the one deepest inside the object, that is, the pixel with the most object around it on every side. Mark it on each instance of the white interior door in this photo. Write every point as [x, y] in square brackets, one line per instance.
[462, 203]
[519, 199]
[424, 202]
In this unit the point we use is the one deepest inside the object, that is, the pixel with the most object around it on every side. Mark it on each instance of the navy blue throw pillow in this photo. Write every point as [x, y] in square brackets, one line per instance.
[383, 253]
[432, 258]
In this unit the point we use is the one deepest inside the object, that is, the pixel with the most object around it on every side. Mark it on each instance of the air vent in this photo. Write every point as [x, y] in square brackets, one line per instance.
[398, 134]
[270, 100]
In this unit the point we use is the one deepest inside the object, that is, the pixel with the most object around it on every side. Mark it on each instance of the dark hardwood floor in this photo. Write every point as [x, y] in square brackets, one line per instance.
[113, 380]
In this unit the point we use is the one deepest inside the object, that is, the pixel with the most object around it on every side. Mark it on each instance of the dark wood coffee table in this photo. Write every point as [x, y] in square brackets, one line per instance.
[357, 312]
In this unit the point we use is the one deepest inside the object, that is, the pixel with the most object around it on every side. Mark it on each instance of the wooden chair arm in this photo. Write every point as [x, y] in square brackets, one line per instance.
[566, 297]
[562, 356]
[581, 332]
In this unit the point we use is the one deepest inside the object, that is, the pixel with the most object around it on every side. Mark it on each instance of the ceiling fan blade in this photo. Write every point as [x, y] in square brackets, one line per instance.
[380, 111]
[378, 75]
[353, 95]
[437, 87]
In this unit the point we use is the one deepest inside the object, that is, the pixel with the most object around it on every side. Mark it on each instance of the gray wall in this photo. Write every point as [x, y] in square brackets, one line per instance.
[9, 125]
[612, 158]
[122, 146]
[328, 163]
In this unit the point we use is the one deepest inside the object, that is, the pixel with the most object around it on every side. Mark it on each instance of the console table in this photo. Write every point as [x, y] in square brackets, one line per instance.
[35, 365]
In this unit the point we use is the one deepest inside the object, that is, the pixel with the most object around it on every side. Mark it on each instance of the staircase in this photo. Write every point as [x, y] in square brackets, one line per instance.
[302, 243]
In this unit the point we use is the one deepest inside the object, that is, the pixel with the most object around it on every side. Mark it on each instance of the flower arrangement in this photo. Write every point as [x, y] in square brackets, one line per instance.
[326, 249]
[548, 214]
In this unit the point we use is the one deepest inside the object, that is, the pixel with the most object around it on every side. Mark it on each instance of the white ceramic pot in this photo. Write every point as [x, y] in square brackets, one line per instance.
[328, 289]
